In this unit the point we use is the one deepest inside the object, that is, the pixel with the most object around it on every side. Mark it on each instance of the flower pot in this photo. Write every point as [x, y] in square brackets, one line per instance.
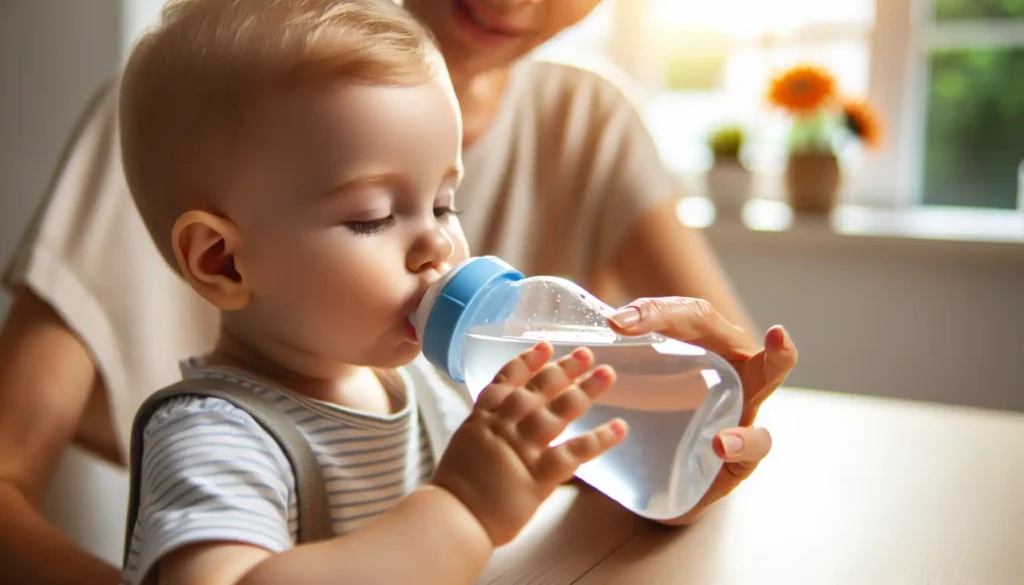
[812, 182]
[728, 185]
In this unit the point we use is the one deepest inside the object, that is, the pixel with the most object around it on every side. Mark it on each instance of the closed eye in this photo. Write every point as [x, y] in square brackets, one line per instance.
[372, 226]
[443, 212]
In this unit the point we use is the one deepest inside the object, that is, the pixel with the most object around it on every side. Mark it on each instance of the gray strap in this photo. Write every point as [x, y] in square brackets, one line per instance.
[314, 511]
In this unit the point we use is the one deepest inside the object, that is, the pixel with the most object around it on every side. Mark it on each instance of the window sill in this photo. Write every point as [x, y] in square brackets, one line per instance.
[925, 229]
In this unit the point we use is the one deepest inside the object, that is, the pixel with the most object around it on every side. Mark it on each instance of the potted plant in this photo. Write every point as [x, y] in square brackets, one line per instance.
[728, 180]
[822, 120]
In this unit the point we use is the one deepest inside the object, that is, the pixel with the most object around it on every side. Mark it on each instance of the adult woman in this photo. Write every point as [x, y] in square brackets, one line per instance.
[561, 178]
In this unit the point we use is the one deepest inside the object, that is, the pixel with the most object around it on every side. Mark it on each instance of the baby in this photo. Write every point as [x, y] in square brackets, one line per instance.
[296, 162]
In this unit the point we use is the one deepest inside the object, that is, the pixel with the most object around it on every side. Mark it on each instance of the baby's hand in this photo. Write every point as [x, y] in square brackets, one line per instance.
[499, 463]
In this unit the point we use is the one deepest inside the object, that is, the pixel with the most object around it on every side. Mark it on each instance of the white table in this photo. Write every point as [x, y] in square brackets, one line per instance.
[857, 491]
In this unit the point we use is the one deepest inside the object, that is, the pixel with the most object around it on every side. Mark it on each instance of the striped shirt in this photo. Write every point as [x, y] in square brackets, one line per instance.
[211, 473]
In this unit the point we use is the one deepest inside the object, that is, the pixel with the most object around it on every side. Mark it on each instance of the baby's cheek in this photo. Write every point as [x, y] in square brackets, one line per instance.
[366, 302]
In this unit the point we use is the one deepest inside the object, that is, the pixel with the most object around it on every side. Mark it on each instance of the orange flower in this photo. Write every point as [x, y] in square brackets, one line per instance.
[802, 89]
[863, 121]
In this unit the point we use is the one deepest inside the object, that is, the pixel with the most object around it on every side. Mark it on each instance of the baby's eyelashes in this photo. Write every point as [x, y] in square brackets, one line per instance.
[371, 226]
[441, 212]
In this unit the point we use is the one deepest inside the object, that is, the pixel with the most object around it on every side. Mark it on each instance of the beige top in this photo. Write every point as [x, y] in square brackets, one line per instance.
[553, 187]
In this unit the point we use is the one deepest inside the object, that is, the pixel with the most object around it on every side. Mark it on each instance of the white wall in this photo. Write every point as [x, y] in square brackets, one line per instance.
[52, 55]
[923, 320]
[136, 16]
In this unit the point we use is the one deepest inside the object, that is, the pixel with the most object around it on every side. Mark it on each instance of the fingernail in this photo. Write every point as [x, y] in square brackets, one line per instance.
[581, 353]
[784, 339]
[603, 373]
[618, 427]
[626, 317]
[732, 444]
[787, 341]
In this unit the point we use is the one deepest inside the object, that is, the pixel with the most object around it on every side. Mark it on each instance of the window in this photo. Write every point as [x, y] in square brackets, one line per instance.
[714, 68]
[699, 66]
[974, 102]
[947, 75]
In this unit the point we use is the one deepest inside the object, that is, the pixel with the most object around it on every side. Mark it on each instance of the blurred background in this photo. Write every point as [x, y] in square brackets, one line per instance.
[912, 283]
[909, 283]
[906, 276]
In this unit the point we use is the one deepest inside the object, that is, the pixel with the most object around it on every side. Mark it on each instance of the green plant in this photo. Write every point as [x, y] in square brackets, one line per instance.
[726, 142]
[814, 133]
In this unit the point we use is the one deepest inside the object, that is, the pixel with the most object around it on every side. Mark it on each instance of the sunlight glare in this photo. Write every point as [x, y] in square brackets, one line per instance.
[759, 16]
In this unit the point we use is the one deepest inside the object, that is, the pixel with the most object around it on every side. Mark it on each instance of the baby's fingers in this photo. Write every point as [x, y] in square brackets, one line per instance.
[558, 464]
[519, 371]
[547, 383]
[515, 373]
[545, 424]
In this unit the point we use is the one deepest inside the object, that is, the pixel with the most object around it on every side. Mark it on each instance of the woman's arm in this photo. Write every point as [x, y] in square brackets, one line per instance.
[662, 257]
[46, 378]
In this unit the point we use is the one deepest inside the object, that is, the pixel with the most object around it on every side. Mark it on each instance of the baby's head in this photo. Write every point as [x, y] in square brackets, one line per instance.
[296, 162]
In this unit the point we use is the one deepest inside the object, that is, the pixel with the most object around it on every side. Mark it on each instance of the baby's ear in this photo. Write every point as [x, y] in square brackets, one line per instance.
[205, 246]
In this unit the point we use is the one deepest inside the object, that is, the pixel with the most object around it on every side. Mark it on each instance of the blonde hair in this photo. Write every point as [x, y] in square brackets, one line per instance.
[190, 79]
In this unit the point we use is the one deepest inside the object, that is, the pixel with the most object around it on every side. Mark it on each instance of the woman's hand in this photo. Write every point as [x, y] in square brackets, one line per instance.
[695, 321]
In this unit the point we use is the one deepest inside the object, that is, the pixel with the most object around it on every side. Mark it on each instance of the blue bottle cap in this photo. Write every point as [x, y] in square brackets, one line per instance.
[443, 317]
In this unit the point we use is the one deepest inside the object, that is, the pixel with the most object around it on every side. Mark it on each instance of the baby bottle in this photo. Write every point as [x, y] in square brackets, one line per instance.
[675, 396]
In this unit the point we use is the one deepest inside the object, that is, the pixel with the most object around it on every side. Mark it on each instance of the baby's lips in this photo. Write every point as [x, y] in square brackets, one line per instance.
[411, 329]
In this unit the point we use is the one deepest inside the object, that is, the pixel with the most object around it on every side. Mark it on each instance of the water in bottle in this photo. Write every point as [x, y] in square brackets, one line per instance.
[674, 396]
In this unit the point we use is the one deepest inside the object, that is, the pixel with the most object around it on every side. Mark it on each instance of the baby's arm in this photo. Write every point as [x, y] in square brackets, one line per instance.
[497, 470]
[428, 537]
